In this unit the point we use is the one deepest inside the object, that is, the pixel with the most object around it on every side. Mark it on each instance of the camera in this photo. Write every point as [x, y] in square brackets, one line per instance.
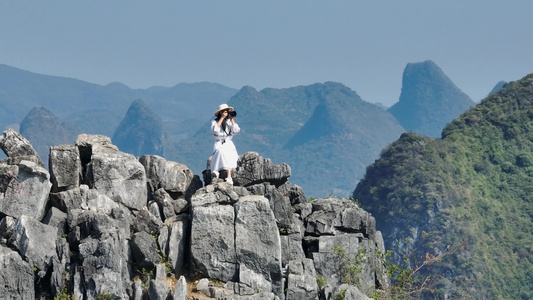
[232, 113]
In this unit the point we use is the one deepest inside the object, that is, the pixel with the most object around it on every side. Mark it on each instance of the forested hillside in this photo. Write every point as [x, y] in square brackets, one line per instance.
[467, 195]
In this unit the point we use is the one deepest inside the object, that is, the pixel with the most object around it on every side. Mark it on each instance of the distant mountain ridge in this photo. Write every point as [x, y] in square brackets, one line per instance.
[324, 131]
[429, 100]
[72, 99]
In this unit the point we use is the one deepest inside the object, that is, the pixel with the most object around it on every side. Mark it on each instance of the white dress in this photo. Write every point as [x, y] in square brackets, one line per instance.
[224, 152]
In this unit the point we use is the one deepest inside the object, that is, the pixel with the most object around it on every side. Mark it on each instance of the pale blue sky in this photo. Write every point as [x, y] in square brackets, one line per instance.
[364, 44]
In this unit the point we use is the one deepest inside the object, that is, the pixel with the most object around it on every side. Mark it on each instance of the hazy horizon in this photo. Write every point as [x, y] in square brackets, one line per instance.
[362, 44]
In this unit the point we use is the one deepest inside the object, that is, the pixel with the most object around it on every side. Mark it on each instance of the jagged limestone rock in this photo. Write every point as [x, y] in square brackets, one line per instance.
[241, 235]
[218, 193]
[145, 221]
[91, 143]
[35, 242]
[301, 281]
[17, 148]
[119, 176]
[60, 277]
[291, 248]
[137, 289]
[157, 290]
[26, 190]
[65, 167]
[7, 227]
[144, 250]
[71, 199]
[278, 201]
[341, 236]
[213, 241]
[173, 241]
[180, 290]
[170, 176]
[16, 276]
[253, 169]
[105, 264]
[257, 242]
[167, 205]
[58, 219]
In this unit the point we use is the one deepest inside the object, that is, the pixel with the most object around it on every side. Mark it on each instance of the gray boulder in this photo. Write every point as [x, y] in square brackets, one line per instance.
[157, 290]
[17, 148]
[65, 167]
[104, 265]
[167, 206]
[258, 244]
[219, 193]
[70, 199]
[213, 242]
[144, 220]
[180, 290]
[144, 250]
[291, 248]
[25, 188]
[170, 176]
[344, 244]
[16, 276]
[173, 241]
[254, 169]
[301, 281]
[35, 242]
[58, 219]
[279, 202]
[119, 176]
[92, 143]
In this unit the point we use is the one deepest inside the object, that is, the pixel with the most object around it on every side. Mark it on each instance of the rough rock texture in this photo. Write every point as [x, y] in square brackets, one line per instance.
[253, 169]
[258, 245]
[65, 167]
[35, 241]
[16, 276]
[17, 148]
[337, 232]
[168, 175]
[109, 225]
[301, 282]
[213, 241]
[119, 176]
[24, 189]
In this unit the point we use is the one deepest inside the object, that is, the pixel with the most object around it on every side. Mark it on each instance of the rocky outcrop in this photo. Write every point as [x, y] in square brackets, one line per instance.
[104, 223]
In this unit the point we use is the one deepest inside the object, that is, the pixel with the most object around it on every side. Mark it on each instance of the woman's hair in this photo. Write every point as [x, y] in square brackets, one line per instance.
[217, 118]
[219, 115]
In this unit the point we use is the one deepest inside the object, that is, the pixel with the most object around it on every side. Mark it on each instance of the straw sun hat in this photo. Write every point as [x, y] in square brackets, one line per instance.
[222, 107]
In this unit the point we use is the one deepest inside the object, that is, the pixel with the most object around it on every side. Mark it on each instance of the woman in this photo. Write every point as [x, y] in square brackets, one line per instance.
[224, 152]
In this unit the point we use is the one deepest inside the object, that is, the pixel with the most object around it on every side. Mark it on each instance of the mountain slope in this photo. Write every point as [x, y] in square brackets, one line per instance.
[342, 137]
[470, 190]
[429, 100]
[43, 129]
[140, 132]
